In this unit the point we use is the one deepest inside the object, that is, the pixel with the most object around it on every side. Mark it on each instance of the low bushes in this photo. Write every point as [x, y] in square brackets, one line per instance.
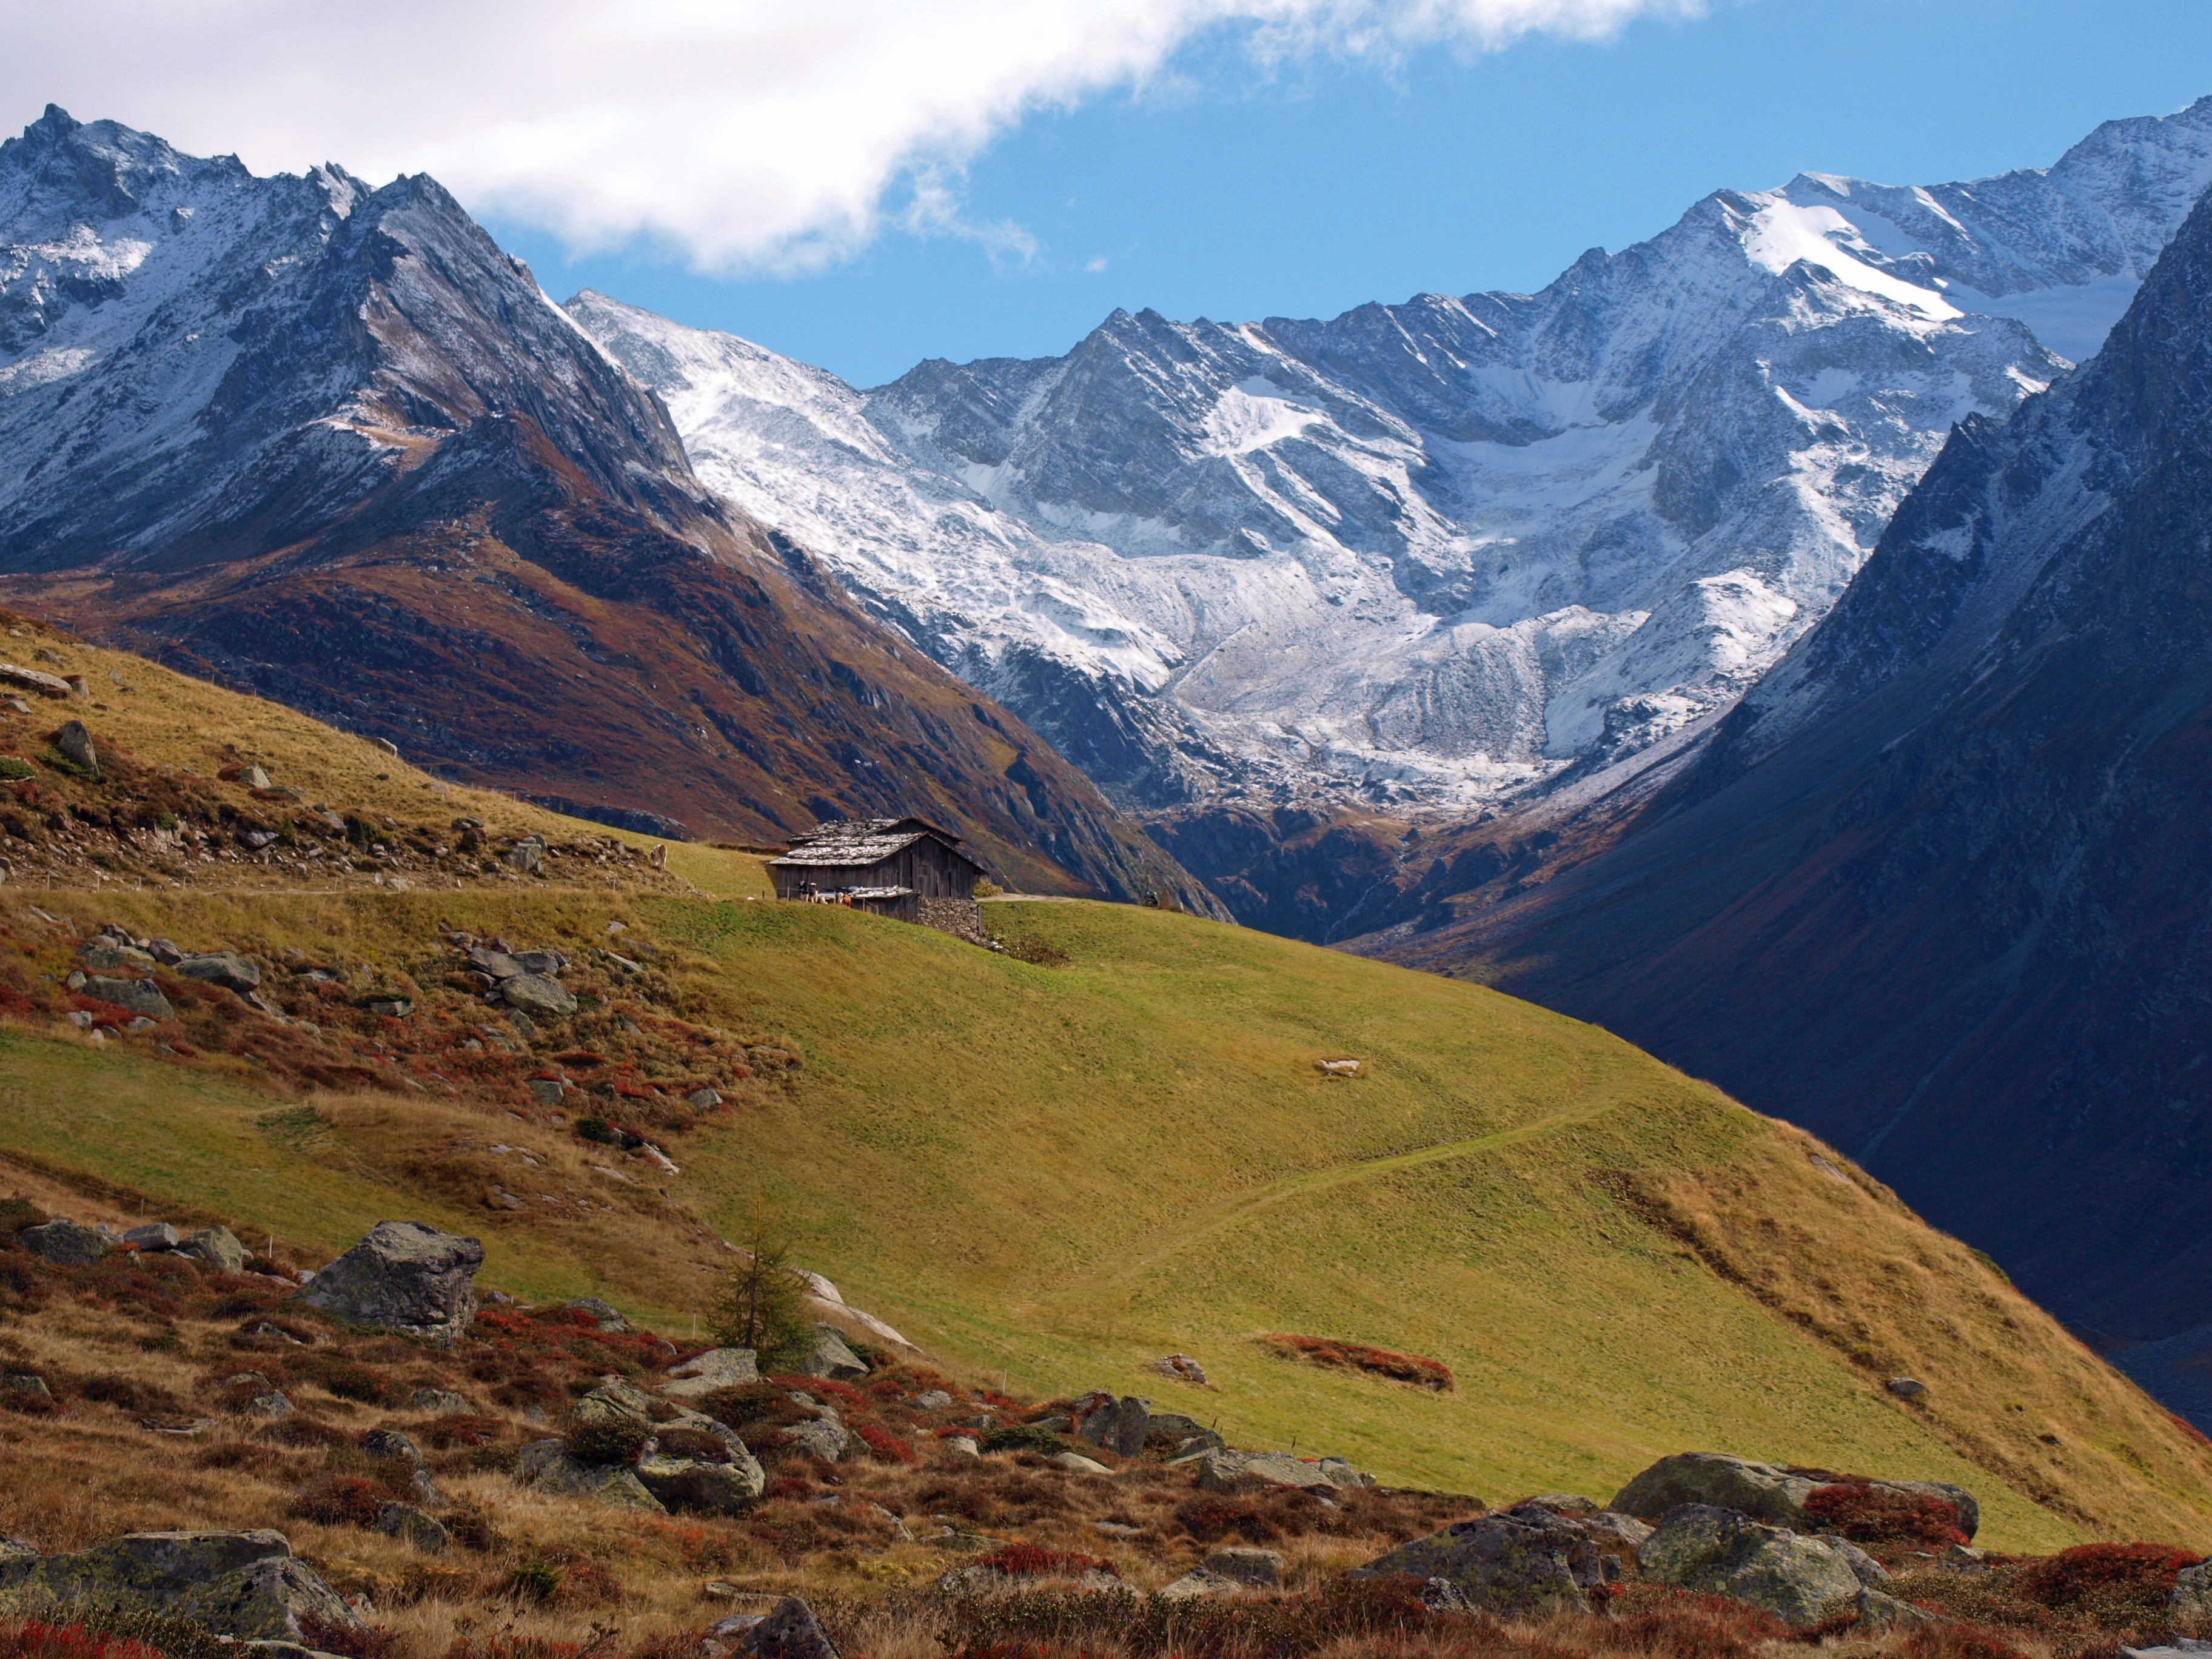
[1867, 1513]
[1431, 1374]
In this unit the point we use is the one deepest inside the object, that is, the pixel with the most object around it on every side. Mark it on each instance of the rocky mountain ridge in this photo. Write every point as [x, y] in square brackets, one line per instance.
[331, 444]
[1422, 556]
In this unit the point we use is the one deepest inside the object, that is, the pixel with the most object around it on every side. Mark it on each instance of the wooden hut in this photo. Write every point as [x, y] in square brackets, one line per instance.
[904, 867]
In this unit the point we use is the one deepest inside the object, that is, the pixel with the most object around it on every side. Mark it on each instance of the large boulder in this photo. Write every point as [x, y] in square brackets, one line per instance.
[225, 968]
[66, 1243]
[717, 1368]
[824, 1437]
[140, 996]
[790, 1631]
[1767, 1492]
[538, 997]
[1725, 1553]
[710, 1487]
[547, 1466]
[1763, 1491]
[216, 1246]
[1525, 1562]
[1245, 1472]
[2192, 1591]
[404, 1277]
[241, 1584]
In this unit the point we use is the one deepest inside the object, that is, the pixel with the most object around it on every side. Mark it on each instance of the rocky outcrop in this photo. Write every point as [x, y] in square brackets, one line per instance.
[831, 1356]
[1241, 1473]
[790, 1631]
[1767, 1492]
[404, 1277]
[548, 1466]
[717, 1368]
[1724, 1553]
[240, 1585]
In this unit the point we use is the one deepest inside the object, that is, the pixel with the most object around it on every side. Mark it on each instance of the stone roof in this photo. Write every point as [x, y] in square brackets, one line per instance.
[846, 844]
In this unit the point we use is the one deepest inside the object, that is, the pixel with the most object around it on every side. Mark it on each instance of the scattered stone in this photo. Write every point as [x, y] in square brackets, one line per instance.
[704, 1100]
[1262, 1569]
[404, 1277]
[831, 1357]
[271, 1407]
[1725, 1553]
[790, 1631]
[1338, 1067]
[253, 777]
[443, 1401]
[415, 1528]
[73, 741]
[1077, 1463]
[1199, 1582]
[527, 855]
[935, 1400]
[1879, 1610]
[33, 680]
[962, 1445]
[2192, 1590]
[140, 996]
[26, 1382]
[1714, 1479]
[494, 965]
[720, 1589]
[536, 995]
[1525, 1562]
[1906, 1387]
[610, 1318]
[546, 963]
[825, 1438]
[717, 1368]
[547, 1466]
[240, 1585]
[391, 1007]
[1183, 1368]
[387, 746]
[1868, 1571]
[216, 1246]
[550, 1090]
[66, 1243]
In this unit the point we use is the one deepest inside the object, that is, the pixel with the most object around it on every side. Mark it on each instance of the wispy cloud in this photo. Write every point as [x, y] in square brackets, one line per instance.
[744, 134]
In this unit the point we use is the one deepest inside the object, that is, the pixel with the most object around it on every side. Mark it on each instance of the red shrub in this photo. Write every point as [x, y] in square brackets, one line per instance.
[1210, 1519]
[340, 1501]
[1867, 1513]
[1956, 1642]
[1431, 1374]
[35, 1639]
[882, 1447]
[1034, 1561]
[2115, 1583]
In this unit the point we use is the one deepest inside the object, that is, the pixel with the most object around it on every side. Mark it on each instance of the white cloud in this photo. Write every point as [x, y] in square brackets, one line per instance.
[743, 133]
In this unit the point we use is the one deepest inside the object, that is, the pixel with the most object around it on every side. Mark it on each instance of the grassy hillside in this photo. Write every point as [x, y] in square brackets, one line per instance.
[1111, 1143]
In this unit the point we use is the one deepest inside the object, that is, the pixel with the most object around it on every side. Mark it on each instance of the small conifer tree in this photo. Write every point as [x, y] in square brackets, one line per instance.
[762, 1304]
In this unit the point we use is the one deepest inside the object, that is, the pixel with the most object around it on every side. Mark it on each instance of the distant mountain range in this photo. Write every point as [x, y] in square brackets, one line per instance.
[1425, 555]
[1940, 888]
[330, 444]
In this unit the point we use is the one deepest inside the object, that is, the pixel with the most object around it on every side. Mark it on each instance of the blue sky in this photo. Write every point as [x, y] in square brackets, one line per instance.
[1229, 190]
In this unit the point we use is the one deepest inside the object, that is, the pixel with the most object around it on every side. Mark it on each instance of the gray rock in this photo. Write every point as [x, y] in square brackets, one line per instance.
[831, 1357]
[1521, 1563]
[271, 1407]
[538, 997]
[1906, 1387]
[1759, 1490]
[1199, 1582]
[704, 1100]
[1244, 1473]
[497, 964]
[265, 1600]
[225, 968]
[253, 777]
[1261, 1568]
[1097, 1418]
[824, 1437]
[391, 1007]
[547, 1466]
[527, 854]
[614, 1400]
[1183, 1368]
[443, 1401]
[609, 1316]
[104, 956]
[404, 1277]
[140, 996]
[1879, 1610]
[1181, 1436]
[717, 1368]
[711, 1488]
[216, 1246]
[1868, 1571]
[26, 1382]
[2192, 1590]
[75, 742]
[1130, 1422]
[390, 1443]
[547, 963]
[789, 1631]
[550, 1090]
[1077, 1463]
[66, 1243]
[415, 1528]
[1723, 1553]
[936, 1400]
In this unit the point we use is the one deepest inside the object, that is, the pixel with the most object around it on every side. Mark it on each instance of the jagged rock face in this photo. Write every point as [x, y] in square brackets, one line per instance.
[1435, 551]
[330, 444]
[1939, 888]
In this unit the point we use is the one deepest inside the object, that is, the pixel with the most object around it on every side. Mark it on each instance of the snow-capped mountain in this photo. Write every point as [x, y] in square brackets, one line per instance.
[1940, 887]
[1431, 552]
[333, 445]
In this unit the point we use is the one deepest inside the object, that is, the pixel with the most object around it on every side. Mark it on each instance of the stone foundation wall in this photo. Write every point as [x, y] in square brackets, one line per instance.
[962, 918]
